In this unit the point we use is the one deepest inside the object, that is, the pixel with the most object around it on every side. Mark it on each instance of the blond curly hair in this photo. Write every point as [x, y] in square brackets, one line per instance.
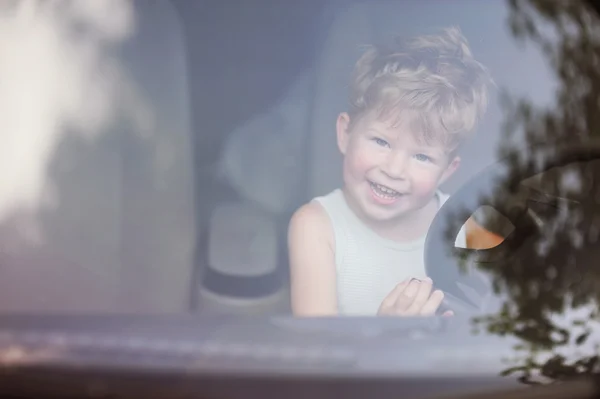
[434, 76]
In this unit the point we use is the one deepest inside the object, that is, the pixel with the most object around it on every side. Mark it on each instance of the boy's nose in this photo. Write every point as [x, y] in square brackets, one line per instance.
[395, 166]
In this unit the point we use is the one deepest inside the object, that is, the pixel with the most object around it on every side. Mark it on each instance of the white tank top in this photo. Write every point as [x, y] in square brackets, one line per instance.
[369, 266]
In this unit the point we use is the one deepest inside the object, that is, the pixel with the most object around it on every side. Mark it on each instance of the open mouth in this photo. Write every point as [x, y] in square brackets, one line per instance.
[384, 192]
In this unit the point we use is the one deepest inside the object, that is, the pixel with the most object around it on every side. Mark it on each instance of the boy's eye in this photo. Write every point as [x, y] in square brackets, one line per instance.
[423, 158]
[381, 142]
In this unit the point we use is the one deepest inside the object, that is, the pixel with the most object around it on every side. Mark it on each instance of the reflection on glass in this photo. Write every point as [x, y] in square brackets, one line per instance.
[550, 286]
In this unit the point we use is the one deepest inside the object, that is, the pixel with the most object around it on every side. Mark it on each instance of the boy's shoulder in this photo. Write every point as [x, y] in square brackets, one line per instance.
[315, 211]
[311, 215]
[310, 223]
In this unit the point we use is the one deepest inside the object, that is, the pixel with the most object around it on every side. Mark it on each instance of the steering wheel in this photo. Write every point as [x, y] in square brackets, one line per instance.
[455, 270]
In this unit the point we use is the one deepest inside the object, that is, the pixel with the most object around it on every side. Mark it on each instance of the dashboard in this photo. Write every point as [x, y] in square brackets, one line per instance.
[232, 357]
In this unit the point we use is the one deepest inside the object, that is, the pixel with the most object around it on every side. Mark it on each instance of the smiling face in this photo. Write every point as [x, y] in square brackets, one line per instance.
[389, 174]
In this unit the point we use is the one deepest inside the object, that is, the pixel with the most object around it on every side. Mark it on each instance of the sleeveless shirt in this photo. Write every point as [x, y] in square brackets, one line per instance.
[369, 266]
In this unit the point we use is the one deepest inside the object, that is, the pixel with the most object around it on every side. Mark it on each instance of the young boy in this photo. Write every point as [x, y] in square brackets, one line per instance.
[359, 250]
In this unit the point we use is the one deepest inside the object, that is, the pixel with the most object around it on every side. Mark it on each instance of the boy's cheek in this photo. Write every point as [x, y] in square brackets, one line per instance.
[353, 168]
[425, 191]
[425, 184]
[358, 161]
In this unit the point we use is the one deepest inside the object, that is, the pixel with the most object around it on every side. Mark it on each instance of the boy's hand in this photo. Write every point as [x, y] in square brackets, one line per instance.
[412, 297]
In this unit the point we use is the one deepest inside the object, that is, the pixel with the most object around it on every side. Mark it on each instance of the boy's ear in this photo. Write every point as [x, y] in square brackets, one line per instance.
[450, 169]
[342, 126]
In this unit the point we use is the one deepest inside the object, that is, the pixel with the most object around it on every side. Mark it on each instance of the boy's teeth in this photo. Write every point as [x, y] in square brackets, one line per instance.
[384, 191]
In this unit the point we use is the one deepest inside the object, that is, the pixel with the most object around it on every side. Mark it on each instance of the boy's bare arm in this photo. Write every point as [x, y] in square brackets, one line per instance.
[312, 263]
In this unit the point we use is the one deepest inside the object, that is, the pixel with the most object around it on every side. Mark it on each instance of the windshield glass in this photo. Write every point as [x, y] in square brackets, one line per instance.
[351, 159]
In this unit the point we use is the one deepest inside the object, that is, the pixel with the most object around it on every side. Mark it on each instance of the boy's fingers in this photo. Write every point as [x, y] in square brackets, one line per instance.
[434, 302]
[407, 297]
[421, 297]
[390, 301]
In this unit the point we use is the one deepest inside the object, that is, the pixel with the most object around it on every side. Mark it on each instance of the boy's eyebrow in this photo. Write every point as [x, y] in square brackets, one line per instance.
[381, 132]
[434, 149]
[374, 130]
[431, 149]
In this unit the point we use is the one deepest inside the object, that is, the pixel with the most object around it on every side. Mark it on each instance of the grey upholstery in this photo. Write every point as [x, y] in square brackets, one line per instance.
[120, 234]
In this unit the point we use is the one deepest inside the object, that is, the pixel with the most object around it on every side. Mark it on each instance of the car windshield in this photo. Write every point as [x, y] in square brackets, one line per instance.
[373, 162]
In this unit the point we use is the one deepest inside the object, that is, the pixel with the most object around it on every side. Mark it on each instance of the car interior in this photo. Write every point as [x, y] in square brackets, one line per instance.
[143, 214]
